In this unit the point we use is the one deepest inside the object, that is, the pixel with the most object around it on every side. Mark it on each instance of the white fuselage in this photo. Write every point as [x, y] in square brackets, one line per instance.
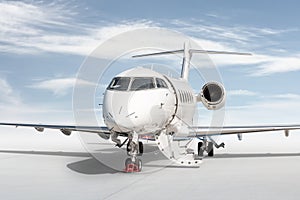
[143, 101]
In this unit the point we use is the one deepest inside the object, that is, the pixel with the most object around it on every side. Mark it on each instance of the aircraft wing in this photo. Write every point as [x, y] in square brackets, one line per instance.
[196, 131]
[65, 129]
[201, 131]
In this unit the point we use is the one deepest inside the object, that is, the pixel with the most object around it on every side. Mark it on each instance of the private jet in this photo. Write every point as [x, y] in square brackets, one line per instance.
[141, 104]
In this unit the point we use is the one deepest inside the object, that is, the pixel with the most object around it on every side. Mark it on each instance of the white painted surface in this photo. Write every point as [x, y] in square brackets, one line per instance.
[235, 173]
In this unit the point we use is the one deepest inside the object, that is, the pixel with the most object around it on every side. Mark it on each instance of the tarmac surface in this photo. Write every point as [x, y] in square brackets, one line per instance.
[55, 174]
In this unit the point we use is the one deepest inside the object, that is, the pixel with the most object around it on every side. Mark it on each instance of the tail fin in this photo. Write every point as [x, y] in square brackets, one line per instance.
[187, 55]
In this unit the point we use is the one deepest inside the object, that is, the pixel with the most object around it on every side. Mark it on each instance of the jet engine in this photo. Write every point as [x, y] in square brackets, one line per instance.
[212, 96]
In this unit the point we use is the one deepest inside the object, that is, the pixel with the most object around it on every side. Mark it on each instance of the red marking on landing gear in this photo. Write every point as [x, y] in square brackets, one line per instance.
[130, 168]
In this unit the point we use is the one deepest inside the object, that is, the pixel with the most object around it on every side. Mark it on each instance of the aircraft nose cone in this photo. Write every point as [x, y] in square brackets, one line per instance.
[115, 111]
[140, 111]
[134, 114]
[145, 109]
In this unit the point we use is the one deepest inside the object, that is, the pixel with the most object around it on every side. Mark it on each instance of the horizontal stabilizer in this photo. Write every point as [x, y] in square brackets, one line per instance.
[219, 52]
[191, 51]
[158, 53]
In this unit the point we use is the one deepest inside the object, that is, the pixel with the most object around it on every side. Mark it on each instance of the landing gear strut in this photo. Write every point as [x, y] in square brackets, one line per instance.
[131, 147]
[134, 148]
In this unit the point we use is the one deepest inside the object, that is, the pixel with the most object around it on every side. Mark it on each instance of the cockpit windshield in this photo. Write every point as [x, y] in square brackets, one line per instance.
[142, 84]
[161, 83]
[119, 83]
[136, 83]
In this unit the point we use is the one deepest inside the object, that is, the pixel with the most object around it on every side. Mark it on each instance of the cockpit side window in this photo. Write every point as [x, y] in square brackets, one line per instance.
[119, 83]
[160, 83]
[142, 84]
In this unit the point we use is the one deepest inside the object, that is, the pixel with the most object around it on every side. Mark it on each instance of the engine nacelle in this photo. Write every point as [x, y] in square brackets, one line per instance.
[212, 95]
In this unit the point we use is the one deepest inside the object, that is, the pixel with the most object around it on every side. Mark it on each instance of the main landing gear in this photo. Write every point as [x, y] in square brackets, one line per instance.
[208, 146]
[134, 149]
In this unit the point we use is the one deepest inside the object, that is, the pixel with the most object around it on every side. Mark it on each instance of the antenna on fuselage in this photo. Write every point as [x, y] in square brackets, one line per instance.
[187, 56]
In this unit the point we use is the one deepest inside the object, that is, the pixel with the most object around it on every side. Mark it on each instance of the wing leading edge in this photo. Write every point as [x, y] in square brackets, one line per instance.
[65, 129]
[196, 131]
[202, 131]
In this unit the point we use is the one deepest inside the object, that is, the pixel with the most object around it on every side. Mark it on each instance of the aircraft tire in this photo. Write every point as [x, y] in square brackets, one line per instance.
[141, 148]
[200, 150]
[210, 148]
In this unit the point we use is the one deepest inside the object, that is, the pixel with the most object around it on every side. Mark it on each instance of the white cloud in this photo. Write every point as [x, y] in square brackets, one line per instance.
[279, 112]
[8, 95]
[241, 39]
[269, 109]
[241, 93]
[60, 86]
[40, 27]
[263, 64]
[240, 34]
[288, 96]
[13, 108]
[274, 64]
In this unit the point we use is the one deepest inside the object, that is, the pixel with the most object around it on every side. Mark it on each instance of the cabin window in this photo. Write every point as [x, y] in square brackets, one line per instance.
[142, 84]
[160, 83]
[119, 83]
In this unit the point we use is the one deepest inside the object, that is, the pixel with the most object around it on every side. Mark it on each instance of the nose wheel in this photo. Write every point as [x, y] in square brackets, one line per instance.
[134, 149]
[133, 166]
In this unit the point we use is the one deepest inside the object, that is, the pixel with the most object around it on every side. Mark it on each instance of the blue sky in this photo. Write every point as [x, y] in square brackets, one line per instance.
[43, 44]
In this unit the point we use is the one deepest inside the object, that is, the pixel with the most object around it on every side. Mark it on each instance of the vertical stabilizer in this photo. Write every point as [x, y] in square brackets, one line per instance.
[186, 61]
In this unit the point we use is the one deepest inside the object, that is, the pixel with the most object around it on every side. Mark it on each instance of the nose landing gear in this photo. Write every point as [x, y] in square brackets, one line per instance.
[134, 149]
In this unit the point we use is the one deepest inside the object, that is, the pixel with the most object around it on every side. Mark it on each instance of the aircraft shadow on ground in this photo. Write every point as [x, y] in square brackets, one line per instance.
[48, 153]
[92, 166]
[86, 166]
